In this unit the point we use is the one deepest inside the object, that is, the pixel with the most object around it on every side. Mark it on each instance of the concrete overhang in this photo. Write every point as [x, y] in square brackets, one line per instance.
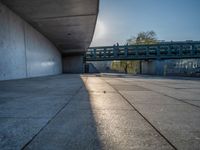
[69, 24]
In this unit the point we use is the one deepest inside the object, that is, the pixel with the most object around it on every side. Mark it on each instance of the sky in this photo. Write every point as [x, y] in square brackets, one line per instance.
[119, 20]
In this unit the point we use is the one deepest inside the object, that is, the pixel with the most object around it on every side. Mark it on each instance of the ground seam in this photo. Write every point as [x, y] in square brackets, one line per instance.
[176, 99]
[142, 116]
[51, 119]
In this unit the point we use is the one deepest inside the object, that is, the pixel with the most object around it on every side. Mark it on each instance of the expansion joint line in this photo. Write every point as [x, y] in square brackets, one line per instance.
[174, 98]
[173, 146]
[77, 91]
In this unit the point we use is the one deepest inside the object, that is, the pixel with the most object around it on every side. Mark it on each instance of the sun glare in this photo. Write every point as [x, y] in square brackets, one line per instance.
[100, 30]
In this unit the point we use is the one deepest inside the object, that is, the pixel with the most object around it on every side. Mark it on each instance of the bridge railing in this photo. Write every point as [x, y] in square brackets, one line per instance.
[168, 50]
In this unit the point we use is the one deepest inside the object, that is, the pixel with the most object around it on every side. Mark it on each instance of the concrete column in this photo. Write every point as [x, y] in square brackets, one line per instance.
[153, 67]
[73, 64]
[148, 67]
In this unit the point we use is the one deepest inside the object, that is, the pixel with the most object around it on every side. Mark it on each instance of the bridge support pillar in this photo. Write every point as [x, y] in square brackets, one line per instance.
[153, 67]
[147, 67]
[73, 64]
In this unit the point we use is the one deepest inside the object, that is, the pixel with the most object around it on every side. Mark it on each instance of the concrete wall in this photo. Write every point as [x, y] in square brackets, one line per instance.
[149, 67]
[133, 66]
[73, 64]
[171, 67]
[99, 66]
[24, 52]
[182, 67]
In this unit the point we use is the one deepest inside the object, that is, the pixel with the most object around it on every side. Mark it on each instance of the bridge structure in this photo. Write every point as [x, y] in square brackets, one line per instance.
[162, 50]
[45, 37]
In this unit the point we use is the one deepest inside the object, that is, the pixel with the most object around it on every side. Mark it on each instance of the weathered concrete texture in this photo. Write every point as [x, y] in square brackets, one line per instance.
[24, 52]
[73, 64]
[90, 112]
[27, 105]
[183, 67]
[42, 57]
[12, 47]
[169, 105]
[68, 23]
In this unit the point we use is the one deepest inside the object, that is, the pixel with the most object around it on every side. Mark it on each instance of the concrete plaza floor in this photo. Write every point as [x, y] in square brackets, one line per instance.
[100, 112]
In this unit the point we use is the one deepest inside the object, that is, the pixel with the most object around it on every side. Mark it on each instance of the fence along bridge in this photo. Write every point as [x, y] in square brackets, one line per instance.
[164, 50]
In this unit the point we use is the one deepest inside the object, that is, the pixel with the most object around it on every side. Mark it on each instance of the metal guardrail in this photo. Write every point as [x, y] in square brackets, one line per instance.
[165, 50]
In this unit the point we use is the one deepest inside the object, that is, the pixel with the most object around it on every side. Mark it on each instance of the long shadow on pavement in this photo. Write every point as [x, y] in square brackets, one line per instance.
[47, 113]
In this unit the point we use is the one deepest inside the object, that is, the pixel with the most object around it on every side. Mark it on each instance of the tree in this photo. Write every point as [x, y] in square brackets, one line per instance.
[148, 37]
[133, 66]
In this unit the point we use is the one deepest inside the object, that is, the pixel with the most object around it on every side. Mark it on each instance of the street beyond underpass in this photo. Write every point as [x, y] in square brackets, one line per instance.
[100, 111]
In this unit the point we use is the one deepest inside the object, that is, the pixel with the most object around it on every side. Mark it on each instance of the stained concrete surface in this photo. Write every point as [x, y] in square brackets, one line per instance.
[99, 112]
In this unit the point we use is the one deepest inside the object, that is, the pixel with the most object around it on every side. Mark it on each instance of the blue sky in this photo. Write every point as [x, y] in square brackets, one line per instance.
[175, 20]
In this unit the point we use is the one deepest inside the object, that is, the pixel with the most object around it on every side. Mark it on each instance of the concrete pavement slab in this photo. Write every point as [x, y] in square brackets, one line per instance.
[90, 112]
[15, 132]
[149, 98]
[179, 122]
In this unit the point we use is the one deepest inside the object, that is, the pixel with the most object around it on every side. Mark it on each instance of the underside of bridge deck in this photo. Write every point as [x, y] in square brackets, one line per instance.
[69, 24]
[38, 37]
